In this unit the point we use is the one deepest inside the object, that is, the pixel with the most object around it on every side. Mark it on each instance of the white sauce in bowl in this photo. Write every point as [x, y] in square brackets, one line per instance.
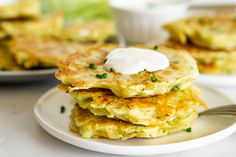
[141, 21]
[147, 5]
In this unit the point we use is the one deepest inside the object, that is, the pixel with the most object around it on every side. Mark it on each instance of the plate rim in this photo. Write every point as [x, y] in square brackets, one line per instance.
[217, 80]
[28, 72]
[218, 75]
[88, 144]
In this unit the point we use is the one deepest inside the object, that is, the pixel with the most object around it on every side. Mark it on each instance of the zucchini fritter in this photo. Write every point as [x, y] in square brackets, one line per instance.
[32, 52]
[153, 110]
[76, 72]
[88, 125]
[21, 9]
[209, 61]
[46, 26]
[213, 32]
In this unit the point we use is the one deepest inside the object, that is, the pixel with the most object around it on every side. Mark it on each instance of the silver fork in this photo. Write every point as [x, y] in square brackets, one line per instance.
[223, 110]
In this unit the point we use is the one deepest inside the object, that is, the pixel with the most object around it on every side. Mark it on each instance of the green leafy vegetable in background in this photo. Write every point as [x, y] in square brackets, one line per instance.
[77, 10]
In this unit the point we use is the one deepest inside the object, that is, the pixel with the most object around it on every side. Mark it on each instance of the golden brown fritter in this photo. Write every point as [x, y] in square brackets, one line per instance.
[153, 110]
[209, 61]
[212, 31]
[45, 26]
[77, 73]
[33, 52]
[88, 125]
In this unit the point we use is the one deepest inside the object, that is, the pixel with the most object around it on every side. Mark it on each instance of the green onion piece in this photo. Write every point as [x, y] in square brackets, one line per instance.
[104, 75]
[99, 76]
[111, 69]
[91, 66]
[155, 47]
[201, 21]
[153, 79]
[105, 61]
[62, 109]
[176, 62]
[175, 88]
[189, 130]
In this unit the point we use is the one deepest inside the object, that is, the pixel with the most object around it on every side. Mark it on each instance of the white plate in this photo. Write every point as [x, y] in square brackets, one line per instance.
[205, 130]
[217, 80]
[27, 75]
[219, 3]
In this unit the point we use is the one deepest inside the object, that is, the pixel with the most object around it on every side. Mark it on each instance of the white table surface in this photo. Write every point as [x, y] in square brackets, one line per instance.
[20, 135]
[212, 2]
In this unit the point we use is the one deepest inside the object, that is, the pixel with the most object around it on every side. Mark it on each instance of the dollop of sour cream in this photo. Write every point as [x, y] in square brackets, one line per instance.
[134, 60]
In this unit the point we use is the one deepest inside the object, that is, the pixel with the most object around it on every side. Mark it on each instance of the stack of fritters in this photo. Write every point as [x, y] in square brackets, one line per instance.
[30, 40]
[209, 39]
[142, 105]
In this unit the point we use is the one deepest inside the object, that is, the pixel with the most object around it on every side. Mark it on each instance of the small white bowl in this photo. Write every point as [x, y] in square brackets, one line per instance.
[141, 21]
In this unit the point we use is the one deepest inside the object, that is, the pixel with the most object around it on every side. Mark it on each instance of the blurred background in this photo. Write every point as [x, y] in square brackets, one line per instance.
[77, 10]
[87, 10]
[33, 29]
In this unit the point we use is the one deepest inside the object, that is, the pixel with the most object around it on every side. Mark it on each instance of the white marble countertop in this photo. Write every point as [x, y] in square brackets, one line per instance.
[20, 135]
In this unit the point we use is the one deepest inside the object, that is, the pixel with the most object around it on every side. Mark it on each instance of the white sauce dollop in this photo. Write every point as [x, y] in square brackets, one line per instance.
[134, 60]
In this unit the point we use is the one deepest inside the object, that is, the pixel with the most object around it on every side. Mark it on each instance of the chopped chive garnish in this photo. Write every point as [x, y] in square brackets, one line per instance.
[105, 61]
[102, 76]
[201, 21]
[176, 62]
[111, 69]
[175, 88]
[153, 79]
[91, 66]
[189, 130]
[155, 47]
[62, 109]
